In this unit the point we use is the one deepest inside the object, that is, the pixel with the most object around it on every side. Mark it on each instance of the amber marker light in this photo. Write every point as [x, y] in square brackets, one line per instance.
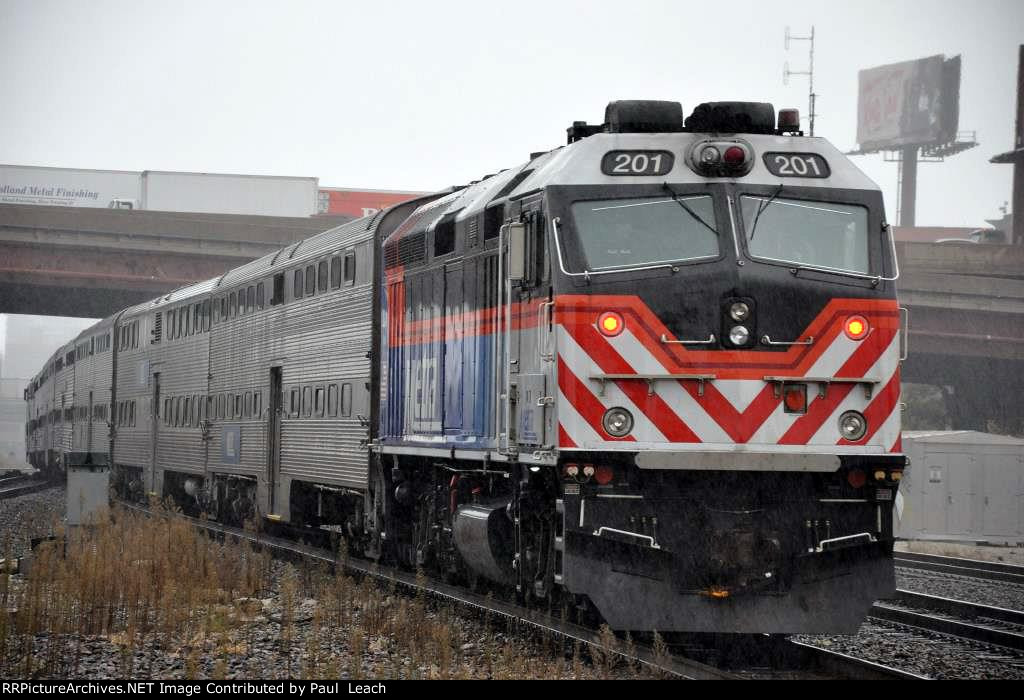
[610, 323]
[856, 327]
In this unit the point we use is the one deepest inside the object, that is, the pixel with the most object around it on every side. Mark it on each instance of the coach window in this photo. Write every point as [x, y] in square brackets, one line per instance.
[177, 411]
[238, 405]
[307, 401]
[187, 418]
[318, 402]
[335, 272]
[224, 308]
[297, 292]
[350, 269]
[188, 319]
[293, 408]
[259, 295]
[250, 299]
[216, 312]
[248, 404]
[233, 305]
[196, 404]
[310, 280]
[211, 407]
[205, 315]
[220, 406]
[256, 404]
[321, 276]
[346, 400]
[278, 295]
[332, 401]
[197, 324]
[167, 411]
[131, 419]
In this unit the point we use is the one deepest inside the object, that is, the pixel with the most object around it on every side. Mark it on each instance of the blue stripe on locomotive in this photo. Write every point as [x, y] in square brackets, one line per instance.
[439, 392]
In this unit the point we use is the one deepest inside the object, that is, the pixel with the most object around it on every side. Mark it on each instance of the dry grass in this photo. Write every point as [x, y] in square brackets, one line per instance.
[171, 602]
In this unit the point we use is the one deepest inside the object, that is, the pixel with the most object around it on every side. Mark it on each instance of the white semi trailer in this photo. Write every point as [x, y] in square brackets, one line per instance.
[159, 190]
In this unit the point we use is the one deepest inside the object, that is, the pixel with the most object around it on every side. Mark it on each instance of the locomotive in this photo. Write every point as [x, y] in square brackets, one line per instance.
[653, 372]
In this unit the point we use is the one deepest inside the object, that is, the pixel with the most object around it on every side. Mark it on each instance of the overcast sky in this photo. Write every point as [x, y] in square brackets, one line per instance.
[414, 95]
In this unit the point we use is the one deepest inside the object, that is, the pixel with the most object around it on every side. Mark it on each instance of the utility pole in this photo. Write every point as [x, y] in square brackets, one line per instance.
[786, 72]
[1016, 157]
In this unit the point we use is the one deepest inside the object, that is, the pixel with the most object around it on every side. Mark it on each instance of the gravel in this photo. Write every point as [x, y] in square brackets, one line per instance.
[1000, 594]
[28, 516]
[929, 654]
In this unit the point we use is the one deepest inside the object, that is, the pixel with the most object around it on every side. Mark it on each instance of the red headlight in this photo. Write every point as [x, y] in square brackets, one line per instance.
[610, 323]
[734, 155]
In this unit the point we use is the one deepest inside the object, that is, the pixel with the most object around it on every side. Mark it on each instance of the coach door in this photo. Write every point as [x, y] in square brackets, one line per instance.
[154, 428]
[88, 428]
[273, 436]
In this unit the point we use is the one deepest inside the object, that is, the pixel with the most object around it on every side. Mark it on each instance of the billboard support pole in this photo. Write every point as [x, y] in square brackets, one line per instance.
[1018, 166]
[908, 185]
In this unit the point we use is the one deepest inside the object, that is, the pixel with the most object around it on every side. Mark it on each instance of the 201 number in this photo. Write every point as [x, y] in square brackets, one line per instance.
[638, 164]
[796, 165]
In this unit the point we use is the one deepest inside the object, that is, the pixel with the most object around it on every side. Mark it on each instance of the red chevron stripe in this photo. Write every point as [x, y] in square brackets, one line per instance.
[584, 401]
[879, 409]
[739, 426]
[651, 405]
[580, 311]
[820, 409]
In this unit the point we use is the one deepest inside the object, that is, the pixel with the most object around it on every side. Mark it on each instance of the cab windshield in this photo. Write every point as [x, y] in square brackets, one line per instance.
[648, 230]
[817, 234]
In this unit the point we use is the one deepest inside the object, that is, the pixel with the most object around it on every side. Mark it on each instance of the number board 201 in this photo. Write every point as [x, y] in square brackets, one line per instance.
[637, 163]
[796, 165]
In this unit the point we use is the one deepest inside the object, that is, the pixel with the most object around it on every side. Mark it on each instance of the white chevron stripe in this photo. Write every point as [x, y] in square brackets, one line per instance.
[643, 429]
[883, 370]
[575, 425]
[834, 357]
[678, 399]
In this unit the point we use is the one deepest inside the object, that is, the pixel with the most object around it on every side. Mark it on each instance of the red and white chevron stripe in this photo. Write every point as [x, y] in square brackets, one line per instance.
[738, 407]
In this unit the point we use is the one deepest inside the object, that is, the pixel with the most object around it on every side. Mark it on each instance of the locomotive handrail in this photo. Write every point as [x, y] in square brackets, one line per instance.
[601, 530]
[651, 378]
[905, 333]
[711, 339]
[768, 341]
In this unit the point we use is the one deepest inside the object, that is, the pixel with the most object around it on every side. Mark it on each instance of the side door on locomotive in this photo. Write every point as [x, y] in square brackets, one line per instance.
[528, 337]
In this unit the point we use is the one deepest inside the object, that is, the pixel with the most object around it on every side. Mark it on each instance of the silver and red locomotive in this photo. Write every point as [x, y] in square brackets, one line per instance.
[654, 371]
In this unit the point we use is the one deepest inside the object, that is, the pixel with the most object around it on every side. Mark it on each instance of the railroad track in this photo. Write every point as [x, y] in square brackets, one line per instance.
[988, 570]
[785, 658]
[20, 485]
[979, 623]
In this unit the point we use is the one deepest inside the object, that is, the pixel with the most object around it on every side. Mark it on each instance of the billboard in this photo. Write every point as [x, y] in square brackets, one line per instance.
[66, 187]
[913, 103]
[359, 203]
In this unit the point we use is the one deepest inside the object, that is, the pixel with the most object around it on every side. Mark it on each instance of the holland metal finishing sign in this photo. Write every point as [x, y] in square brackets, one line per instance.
[32, 194]
[66, 187]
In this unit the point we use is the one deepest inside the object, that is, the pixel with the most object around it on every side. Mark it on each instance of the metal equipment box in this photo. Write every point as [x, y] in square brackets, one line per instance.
[88, 492]
[962, 485]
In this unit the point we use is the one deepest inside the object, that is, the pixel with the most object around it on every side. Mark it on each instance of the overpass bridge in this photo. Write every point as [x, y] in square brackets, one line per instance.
[73, 261]
[966, 301]
[966, 304]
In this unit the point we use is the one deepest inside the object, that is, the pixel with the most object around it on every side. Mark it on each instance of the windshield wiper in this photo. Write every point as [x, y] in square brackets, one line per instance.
[691, 212]
[760, 210]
